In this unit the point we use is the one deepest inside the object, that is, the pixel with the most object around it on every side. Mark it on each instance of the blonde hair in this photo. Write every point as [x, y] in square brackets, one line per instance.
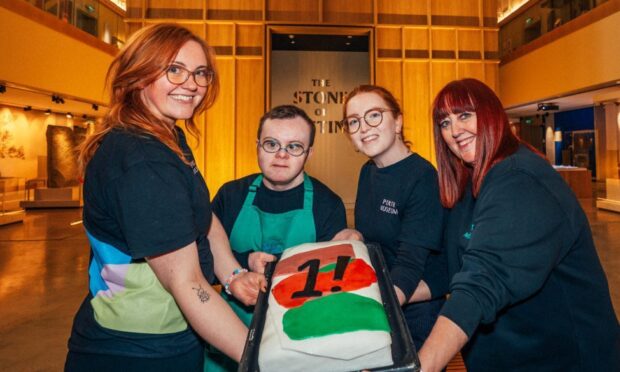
[141, 62]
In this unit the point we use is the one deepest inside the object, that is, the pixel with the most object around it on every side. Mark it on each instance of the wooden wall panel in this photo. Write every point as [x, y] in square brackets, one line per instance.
[221, 36]
[198, 145]
[389, 75]
[471, 70]
[249, 107]
[175, 9]
[245, 10]
[403, 12]
[491, 75]
[293, 11]
[220, 131]
[134, 8]
[455, 13]
[416, 42]
[389, 42]
[347, 11]
[249, 40]
[491, 44]
[489, 13]
[416, 106]
[441, 74]
[469, 44]
[443, 43]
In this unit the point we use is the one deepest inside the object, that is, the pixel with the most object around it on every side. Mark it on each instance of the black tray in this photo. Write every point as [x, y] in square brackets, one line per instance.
[403, 352]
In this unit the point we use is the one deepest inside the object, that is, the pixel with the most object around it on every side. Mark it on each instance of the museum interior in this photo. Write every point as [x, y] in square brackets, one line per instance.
[553, 63]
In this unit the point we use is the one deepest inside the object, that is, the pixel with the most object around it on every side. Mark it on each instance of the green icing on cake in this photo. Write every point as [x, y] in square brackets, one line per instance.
[331, 267]
[335, 314]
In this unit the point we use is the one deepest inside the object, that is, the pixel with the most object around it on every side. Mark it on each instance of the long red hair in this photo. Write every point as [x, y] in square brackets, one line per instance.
[494, 139]
[143, 60]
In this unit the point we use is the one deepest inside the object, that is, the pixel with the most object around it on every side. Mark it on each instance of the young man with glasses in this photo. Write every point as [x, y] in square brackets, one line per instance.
[282, 206]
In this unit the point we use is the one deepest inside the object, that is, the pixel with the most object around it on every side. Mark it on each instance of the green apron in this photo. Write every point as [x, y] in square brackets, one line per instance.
[258, 231]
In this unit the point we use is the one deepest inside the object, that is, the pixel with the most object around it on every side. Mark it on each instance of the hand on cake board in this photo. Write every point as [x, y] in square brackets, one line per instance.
[246, 285]
[258, 260]
[349, 234]
[400, 295]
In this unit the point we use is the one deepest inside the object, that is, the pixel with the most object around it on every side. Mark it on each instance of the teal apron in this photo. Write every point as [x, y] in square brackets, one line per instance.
[258, 231]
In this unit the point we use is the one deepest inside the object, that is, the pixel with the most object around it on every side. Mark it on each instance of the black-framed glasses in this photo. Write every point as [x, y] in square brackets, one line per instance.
[372, 117]
[271, 146]
[178, 75]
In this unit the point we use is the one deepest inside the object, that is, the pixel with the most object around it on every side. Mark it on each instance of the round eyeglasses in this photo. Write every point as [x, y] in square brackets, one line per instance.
[272, 146]
[372, 117]
[178, 75]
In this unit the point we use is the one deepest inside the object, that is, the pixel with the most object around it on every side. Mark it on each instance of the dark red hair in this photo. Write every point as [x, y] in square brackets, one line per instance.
[494, 139]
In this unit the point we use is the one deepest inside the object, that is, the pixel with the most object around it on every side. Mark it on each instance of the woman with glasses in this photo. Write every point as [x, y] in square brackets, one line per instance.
[527, 290]
[278, 208]
[397, 204]
[148, 219]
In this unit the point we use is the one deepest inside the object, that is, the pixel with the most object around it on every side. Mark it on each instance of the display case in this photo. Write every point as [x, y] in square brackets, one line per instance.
[12, 191]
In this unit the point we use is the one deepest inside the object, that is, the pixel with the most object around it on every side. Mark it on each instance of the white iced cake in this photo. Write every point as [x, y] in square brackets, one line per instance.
[325, 311]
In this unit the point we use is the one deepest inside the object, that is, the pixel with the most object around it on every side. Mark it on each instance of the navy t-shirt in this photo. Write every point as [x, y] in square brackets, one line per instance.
[140, 200]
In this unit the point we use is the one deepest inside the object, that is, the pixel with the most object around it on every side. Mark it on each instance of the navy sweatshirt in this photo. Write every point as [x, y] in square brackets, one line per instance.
[527, 286]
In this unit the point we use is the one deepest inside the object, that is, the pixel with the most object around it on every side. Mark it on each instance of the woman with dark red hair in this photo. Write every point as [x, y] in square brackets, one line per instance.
[527, 290]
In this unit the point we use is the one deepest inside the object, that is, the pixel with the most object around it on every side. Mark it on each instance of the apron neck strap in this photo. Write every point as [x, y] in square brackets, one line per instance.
[308, 191]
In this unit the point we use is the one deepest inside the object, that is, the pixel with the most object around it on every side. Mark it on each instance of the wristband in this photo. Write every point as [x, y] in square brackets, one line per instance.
[232, 276]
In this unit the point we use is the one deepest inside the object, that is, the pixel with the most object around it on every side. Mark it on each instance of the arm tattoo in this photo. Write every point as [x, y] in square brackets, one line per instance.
[201, 293]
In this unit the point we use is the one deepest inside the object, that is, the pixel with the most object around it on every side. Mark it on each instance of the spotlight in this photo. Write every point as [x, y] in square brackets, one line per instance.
[48, 112]
[27, 108]
[2, 88]
[69, 115]
[58, 99]
[84, 116]
[95, 107]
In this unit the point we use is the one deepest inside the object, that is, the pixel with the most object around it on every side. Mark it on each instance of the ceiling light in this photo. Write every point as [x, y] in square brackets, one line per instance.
[69, 115]
[48, 112]
[2, 88]
[95, 107]
[27, 108]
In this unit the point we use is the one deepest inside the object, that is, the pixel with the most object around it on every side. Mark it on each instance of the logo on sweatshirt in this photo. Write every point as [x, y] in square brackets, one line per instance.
[467, 235]
[389, 207]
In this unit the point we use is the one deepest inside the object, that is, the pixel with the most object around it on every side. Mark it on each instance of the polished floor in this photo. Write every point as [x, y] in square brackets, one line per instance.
[43, 278]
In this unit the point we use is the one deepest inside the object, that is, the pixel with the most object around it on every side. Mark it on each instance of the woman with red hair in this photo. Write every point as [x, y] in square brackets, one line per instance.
[155, 245]
[397, 204]
[527, 290]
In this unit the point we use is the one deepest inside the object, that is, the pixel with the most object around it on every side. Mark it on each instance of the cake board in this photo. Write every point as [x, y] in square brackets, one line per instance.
[403, 352]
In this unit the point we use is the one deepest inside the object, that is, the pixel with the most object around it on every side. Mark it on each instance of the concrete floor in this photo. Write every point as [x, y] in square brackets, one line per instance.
[43, 279]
